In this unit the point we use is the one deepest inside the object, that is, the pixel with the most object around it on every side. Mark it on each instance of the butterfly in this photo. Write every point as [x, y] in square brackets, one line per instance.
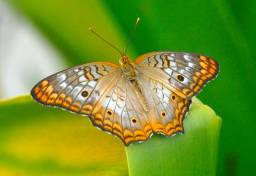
[131, 100]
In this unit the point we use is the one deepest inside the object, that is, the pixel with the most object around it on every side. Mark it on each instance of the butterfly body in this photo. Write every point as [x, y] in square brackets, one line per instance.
[131, 100]
[128, 68]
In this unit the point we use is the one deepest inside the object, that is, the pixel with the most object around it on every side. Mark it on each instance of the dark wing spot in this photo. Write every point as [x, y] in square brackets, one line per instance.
[109, 112]
[163, 114]
[85, 93]
[180, 78]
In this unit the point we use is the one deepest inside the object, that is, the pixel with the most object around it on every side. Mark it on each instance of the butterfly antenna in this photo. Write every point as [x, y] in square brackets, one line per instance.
[131, 34]
[107, 42]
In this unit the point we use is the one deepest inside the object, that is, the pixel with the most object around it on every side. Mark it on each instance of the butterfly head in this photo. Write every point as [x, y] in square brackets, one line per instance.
[124, 60]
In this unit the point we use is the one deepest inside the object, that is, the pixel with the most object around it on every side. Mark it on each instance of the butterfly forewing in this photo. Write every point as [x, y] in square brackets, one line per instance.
[73, 88]
[184, 73]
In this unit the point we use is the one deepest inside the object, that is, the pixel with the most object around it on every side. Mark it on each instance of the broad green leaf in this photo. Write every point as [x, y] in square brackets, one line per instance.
[36, 140]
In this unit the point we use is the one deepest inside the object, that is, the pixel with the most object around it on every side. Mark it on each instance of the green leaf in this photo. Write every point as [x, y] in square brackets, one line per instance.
[36, 140]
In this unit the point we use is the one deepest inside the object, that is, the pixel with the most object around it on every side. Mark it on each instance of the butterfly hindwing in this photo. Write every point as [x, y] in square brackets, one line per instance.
[185, 73]
[167, 109]
[119, 113]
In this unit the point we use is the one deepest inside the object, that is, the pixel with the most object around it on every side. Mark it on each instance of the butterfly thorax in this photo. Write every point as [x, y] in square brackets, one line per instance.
[127, 68]
[130, 73]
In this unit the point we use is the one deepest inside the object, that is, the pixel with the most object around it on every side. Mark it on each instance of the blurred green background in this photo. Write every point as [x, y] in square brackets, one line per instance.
[223, 29]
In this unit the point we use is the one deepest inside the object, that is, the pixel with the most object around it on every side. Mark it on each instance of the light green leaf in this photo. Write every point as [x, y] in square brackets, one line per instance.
[35, 140]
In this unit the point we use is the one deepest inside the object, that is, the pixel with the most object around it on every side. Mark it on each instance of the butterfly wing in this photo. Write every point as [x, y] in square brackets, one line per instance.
[166, 108]
[120, 113]
[71, 89]
[184, 73]
[169, 80]
[99, 91]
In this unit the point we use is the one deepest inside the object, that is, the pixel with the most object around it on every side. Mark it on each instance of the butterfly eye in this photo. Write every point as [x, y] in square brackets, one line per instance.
[180, 78]
[173, 97]
[134, 120]
[85, 93]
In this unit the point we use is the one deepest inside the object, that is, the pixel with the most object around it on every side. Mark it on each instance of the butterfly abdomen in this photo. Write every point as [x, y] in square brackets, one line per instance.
[140, 95]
